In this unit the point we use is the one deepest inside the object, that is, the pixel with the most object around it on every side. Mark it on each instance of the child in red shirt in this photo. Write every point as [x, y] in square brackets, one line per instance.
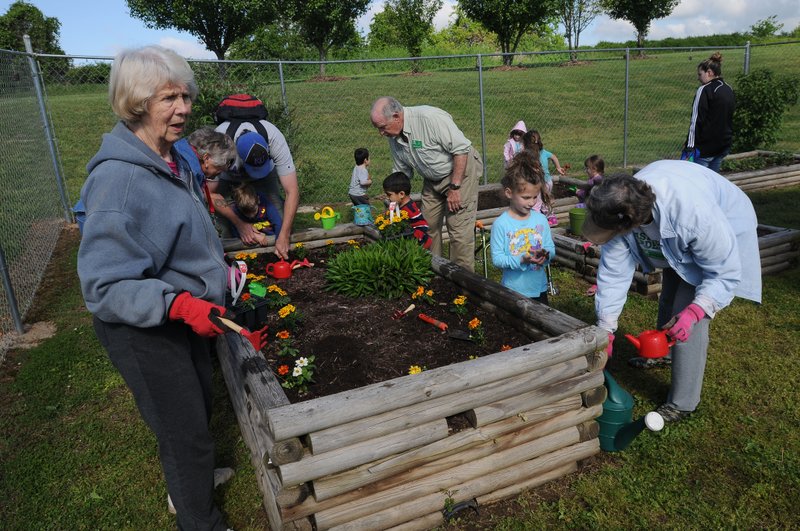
[398, 190]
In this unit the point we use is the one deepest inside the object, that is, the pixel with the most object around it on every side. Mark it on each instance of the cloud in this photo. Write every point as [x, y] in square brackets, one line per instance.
[187, 48]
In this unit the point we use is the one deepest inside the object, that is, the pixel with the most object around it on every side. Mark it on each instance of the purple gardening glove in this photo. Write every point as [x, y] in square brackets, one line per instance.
[680, 326]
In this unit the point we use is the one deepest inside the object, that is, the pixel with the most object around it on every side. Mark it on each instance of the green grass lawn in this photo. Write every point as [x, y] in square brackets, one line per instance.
[578, 109]
[76, 455]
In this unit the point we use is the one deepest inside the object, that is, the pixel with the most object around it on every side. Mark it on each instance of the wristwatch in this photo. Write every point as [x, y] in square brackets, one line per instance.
[453, 186]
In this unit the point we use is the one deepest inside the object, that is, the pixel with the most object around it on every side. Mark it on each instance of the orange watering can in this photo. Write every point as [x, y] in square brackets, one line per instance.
[651, 343]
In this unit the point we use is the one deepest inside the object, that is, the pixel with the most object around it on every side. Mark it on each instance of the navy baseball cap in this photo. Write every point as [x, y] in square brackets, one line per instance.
[254, 151]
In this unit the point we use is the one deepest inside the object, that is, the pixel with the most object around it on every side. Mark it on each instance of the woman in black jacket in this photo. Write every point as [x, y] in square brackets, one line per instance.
[711, 127]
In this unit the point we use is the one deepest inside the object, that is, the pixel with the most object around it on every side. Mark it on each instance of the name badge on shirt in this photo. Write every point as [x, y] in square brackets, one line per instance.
[416, 144]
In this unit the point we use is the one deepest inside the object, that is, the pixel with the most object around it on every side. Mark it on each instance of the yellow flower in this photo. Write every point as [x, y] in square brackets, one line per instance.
[328, 242]
[403, 214]
[240, 256]
[283, 334]
[475, 323]
[414, 369]
[473, 357]
[298, 245]
[286, 310]
[429, 293]
[276, 289]
[252, 256]
[460, 300]
[505, 347]
[352, 242]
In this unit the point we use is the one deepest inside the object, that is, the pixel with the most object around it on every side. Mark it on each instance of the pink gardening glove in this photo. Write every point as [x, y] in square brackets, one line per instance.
[610, 346]
[680, 326]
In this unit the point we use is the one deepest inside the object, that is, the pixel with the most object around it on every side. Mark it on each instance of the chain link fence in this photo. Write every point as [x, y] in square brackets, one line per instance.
[630, 109]
[33, 209]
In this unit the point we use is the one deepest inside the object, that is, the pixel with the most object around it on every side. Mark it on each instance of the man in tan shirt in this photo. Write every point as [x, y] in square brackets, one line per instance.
[426, 139]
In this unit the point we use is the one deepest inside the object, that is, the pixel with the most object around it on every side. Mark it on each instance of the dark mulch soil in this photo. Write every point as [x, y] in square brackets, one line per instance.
[356, 342]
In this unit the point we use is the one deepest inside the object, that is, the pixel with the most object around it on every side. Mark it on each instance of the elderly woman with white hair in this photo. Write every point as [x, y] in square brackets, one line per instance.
[701, 229]
[152, 271]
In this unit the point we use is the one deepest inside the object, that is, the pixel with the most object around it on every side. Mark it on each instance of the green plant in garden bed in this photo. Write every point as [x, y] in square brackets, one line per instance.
[387, 268]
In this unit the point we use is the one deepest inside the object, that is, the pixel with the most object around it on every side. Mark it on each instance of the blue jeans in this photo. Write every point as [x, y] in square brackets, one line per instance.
[712, 163]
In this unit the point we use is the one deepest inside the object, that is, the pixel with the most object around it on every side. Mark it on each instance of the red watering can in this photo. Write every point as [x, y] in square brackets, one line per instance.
[651, 343]
[281, 268]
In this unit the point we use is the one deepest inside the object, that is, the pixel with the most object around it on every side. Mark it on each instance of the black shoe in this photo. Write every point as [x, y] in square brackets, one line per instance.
[670, 414]
[650, 363]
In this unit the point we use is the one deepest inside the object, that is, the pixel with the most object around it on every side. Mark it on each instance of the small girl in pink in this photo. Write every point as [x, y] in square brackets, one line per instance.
[514, 144]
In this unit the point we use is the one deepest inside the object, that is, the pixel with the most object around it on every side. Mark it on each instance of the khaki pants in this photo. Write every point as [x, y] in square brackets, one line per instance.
[461, 224]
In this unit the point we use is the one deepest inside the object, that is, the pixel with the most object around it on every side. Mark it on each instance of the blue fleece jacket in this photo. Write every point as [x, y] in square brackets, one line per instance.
[147, 235]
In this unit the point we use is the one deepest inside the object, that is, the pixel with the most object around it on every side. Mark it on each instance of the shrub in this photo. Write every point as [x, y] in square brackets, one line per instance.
[388, 269]
[761, 100]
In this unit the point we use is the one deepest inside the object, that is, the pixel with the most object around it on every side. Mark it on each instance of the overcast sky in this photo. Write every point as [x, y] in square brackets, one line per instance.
[103, 27]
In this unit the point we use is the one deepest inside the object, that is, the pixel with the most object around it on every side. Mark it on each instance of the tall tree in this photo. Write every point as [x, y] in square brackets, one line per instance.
[576, 15]
[413, 20]
[510, 20]
[23, 18]
[640, 13]
[328, 23]
[217, 23]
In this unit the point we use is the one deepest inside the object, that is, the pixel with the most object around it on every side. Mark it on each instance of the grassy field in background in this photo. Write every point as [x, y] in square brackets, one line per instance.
[578, 109]
[76, 454]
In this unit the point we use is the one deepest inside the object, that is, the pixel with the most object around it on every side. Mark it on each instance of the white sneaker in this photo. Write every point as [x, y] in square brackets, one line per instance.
[221, 475]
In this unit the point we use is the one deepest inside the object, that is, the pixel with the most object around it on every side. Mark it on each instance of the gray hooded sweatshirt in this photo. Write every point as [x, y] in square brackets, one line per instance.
[147, 235]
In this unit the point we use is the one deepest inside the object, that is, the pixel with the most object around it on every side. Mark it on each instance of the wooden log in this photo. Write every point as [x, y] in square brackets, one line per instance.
[568, 410]
[595, 396]
[551, 321]
[435, 519]
[377, 398]
[570, 244]
[492, 480]
[766, 177]
[251, 372]
[519, 324]
[340, 233]
[505, 457]
[443, 456]
[771, 228]
[788, 258]
[368, 428]
[776, 268]
[578, 259]
[777, 183]
[316, 466]
[505, 408]
[766, 172]
[227, 347]
[531, 483]
[777, 238]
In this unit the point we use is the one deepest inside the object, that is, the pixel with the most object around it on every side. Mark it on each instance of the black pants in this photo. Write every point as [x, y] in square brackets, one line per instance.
[168, 370]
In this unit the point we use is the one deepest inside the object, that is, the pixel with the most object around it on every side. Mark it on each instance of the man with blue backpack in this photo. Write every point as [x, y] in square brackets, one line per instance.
[264, 161]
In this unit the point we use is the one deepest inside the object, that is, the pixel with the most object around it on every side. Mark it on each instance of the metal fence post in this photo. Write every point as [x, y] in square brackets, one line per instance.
[12, 299]
[625, 114]
[283, 88]
[47, 131]
[747, 58]
[483, 118]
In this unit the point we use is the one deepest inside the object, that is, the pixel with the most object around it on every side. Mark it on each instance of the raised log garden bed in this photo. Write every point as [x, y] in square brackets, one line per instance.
[383, 455]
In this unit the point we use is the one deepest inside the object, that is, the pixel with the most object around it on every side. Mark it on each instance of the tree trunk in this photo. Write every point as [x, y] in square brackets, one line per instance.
[323, 56]
[640, 42]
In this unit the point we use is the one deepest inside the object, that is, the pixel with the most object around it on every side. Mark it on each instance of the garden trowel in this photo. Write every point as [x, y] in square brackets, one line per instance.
[463, 335]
